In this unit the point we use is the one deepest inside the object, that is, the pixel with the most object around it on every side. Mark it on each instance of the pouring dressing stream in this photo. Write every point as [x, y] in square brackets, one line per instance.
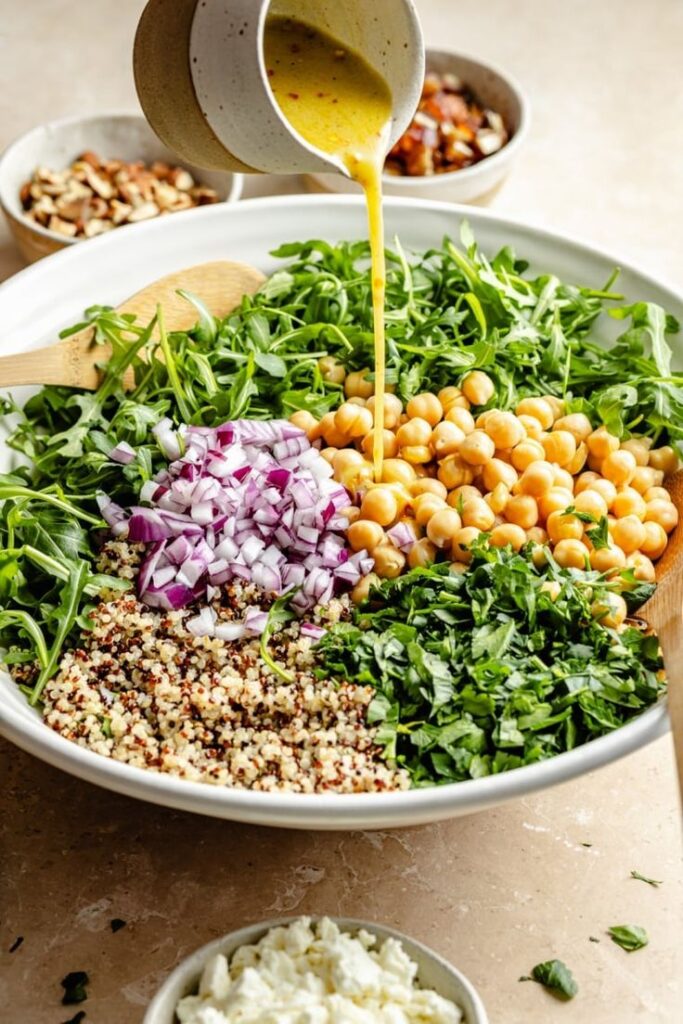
[337, 102]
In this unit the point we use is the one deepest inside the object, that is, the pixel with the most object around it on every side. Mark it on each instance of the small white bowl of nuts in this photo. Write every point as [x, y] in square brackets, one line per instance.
[81, 177]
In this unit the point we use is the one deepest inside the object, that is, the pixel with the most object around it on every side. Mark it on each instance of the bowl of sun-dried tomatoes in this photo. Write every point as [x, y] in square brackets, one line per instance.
[467, 130]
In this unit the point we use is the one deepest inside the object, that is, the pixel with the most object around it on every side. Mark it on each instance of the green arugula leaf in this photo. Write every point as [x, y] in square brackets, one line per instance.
[556, 977]
[642, 878]
[599, 535]
[630, 937]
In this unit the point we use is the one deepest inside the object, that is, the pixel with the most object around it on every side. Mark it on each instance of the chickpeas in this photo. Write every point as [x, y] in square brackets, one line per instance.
[557, 499]
[389, 445]
[498, 472]
[559, 446]
[576, 464]
[477, 514]
[628, 533]
[591, 502]
[522, 510]
[629, 503]
[606, 488]
[563, 478]
[417, 454]
[477, 448]
[657, 493]
[477, 387]
[601, 443]
[556, 404]
[428, 485]
[427, 407]
[638, 449]
[504, 429]
[446, 439]
[462, 418]
[508, 534]
[365, 535]
[393, 409]
[537, 479]
[655, 541]
[380, 505]
[331, 370]
[357, 385]
[663, 512]
[577, 423]
[532, 426]
[362, 589]
[443, 526]
[664, 459]
[563, 526]
[389, 561]
[304, 420]
[609, 610]
[618, 467]
[415, 432]
[461, 494]
[643, 478]
[570, 554]
[498, 498]
[453, 472]
[397, 471]
[525, 453]
[643, 569]
[585, 480]
[607, 559]
[327, 429]
[425, 506]
[423, 552]
[539, 408]
[453, 398]
[462, 542]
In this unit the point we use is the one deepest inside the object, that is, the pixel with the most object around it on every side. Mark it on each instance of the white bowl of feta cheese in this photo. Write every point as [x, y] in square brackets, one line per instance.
[315, 971]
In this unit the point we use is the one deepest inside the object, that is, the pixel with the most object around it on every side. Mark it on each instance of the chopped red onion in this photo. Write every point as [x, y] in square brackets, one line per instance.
[123, 453]
[312, 631]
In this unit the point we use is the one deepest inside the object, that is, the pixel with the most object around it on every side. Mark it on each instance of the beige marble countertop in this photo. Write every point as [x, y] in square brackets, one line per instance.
[496, 892]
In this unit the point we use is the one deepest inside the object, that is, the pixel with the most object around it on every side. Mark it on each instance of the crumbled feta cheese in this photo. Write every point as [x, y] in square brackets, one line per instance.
[305, 973]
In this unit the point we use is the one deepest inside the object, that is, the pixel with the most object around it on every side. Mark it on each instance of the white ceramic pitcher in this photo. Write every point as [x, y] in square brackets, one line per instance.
[202, 81]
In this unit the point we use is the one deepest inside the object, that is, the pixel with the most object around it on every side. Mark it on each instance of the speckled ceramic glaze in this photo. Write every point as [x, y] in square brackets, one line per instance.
[202, 80]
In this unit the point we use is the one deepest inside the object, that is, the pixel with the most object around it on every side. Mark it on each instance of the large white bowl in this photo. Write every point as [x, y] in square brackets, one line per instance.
[40, 300]
[433, 971]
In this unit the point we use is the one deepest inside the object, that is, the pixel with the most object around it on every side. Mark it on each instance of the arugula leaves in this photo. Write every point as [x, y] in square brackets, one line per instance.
[630, 937]
[482, 672]
[556, 976]
[642, 878]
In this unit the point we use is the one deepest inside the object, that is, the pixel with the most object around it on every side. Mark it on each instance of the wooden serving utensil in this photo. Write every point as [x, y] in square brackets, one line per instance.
[664, 613]
[73, 362]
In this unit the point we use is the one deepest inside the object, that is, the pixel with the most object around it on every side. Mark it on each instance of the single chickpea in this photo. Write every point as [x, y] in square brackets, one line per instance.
[644, 477]
[453, 472]
[657, 492]
[416, 454]
[428, 486]
[585, 481]
[504, 455]
[563, 526]
[357, 385]
[639, 450]
[446, 439]
[504, 429]
[389, 445]
[423, 552]
[532, 426]
[563, 478]
[498, 498]
[665, 459]
[553, 588]
[389, 561]
[477, 514]
[539, 554]
[463, 541]
[556, 404]
[443, 526]
[607, 559]
[331, 370]
[577, 423]
[459, 495]
[629, 503]
[357, 400]
[610, 610]
[655, 541]
[591, 502]
[571, 554]
[628, 533]
[448, 397]
[525, 453]
[328, 454]
[498, 472]
[537, 535]
[663, 512]
[356, 477]
[606, 488]
[643, 569]
[345, 457]
[559, 446]
[380, 505]
[327, 430]
[426, 407]
[304, 420]
[477, 387]
[462, 418]
[537, 479]
[508, 534]
[539, 408]
[557, 499]
[393, 409]
[362, 589]
[480, 421]
[576, 464]
[601, 443]
[594, 463]
[425, 505]
[415, 432]
[477, 449]
[618, 467]
[364, 535]
[522, 510]
[397, 471]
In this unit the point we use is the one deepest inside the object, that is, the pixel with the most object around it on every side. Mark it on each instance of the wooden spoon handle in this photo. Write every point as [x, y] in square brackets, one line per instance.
[670, 634]
[68, 363]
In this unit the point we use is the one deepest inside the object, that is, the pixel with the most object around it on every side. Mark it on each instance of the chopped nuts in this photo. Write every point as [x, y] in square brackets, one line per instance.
[95, 195]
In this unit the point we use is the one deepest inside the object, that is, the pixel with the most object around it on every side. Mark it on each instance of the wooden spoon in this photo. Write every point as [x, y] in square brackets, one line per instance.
[664, 613]
[73, 362]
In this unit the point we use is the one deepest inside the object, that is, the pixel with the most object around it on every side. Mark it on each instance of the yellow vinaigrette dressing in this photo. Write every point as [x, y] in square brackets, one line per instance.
[341, 105]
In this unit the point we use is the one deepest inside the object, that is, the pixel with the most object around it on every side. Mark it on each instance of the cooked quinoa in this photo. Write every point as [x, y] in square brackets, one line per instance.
[141, 689]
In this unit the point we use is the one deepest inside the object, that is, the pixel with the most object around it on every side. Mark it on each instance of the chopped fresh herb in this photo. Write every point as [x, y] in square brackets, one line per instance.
[482, 672]
[525, 977]
[17, 942]
[279, 615]
[77, 1018]
[557, 978]
[629, 936]
[599, 535]
[74, 987]
[587, 845]
[116, 924]
[642, 878]
[592, 938]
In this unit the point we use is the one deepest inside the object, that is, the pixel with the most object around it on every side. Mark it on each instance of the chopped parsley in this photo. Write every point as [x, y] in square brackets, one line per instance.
[557, 978]
[642, 878]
